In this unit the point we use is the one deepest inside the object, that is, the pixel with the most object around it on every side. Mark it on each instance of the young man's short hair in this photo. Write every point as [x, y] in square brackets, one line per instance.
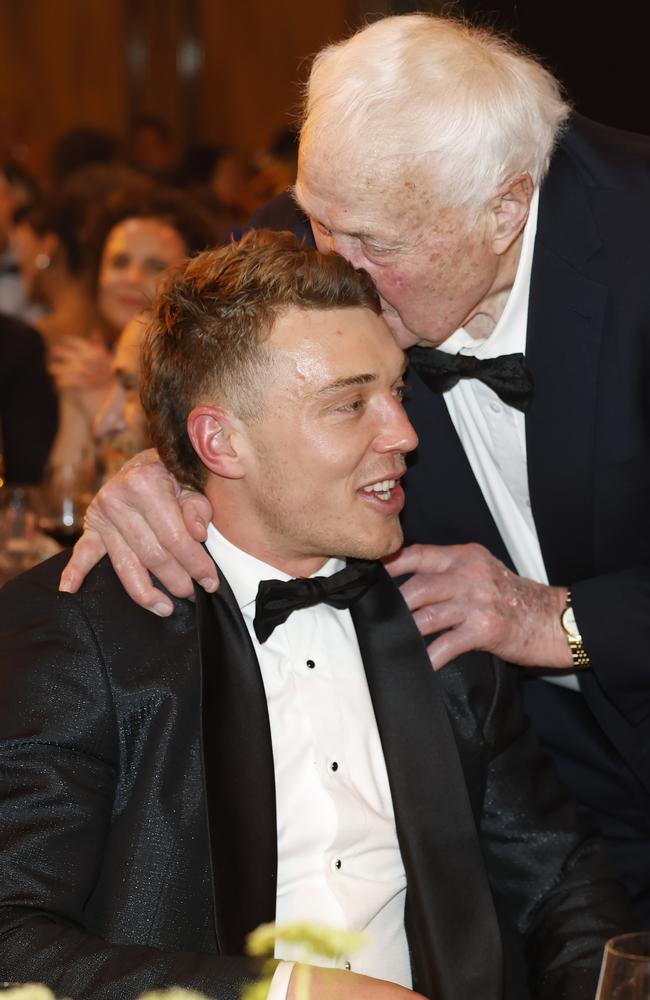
[211, 320]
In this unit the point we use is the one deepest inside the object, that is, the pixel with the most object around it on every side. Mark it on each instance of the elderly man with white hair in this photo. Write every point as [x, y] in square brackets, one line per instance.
[508, 241]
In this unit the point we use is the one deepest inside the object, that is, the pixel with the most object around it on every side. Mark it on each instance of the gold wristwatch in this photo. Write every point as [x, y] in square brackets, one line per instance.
[572, 632]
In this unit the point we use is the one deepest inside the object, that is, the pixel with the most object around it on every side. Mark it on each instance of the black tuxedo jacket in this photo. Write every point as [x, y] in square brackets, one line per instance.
[587, 429]
[137, 814]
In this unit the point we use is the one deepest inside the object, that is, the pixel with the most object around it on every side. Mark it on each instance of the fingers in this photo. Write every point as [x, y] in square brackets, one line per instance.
[434, 618]
[448, 646]
[86, 554]
[146, 523]
[142, 516]
[158, 543]
[420, 559]
[428, 588]
[407, 560]
[136, 580]
[197, 512]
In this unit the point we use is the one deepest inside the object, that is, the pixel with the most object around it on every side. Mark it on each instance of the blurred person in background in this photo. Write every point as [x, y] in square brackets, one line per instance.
[277, 169]
[28, 405]
[120, 426]
[14, 299]
[48, 240]
[81, 147]
[131, 241]
[49, 243]
[152, 148]
[221, 180]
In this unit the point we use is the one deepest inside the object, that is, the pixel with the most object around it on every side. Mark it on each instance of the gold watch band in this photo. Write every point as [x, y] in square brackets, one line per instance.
[576, 645]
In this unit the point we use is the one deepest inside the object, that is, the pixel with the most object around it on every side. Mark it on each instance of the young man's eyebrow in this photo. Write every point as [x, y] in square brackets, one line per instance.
[344, 383]
[363, 378]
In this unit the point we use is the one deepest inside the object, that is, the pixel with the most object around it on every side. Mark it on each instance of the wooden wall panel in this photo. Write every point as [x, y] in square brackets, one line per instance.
[66, 63]
[154, 31]
[254, 53]
[62, 65]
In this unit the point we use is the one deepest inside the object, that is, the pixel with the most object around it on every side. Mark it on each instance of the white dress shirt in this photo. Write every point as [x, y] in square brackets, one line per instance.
[339, 862]
[493, 434]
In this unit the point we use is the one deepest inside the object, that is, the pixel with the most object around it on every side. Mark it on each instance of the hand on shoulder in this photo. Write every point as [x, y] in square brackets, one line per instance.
[147, 523]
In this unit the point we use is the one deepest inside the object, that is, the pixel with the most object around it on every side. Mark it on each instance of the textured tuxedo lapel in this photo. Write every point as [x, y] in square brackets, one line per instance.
[239, 776]
[452, 927]
[566, 317]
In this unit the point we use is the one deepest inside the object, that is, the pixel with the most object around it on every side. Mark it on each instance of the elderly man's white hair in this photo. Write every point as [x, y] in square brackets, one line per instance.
[464, 101]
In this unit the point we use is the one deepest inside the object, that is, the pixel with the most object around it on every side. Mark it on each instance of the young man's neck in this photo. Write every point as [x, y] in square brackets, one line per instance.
[242, 528]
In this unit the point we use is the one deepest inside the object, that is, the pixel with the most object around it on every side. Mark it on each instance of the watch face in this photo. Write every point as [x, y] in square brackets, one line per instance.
[569, 623]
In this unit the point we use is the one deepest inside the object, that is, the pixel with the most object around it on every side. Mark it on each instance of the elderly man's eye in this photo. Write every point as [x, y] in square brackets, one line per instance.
[376, 250]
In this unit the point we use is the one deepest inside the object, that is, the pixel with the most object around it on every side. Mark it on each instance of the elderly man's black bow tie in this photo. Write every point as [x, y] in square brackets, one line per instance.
[507, 375]
[276, 599]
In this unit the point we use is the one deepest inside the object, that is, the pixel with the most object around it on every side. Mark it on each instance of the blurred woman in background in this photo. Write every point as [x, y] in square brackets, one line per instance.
[124, 247]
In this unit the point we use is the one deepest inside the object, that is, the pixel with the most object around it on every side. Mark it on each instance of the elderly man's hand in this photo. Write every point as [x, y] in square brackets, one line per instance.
[146, 522]
[472, 601]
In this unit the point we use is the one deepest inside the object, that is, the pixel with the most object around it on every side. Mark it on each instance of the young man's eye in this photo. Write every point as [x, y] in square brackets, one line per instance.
[402, 391]
[352, 406]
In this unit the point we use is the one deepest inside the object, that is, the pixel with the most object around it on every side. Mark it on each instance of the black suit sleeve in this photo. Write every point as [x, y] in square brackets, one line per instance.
[60, 752]
[548, 877]
[613, 612]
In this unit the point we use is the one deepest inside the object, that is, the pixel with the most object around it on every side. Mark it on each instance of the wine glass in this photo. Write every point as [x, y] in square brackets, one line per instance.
[66, 492]
[625, 972]
[21, 544]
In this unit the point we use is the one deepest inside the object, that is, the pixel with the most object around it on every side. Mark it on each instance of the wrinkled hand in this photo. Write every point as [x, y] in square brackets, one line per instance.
[475, 602]
[79, 363]
[146, 521]
[334, 984]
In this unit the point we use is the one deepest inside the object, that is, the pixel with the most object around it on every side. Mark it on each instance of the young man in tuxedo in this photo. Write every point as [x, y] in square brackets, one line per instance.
[168, 783]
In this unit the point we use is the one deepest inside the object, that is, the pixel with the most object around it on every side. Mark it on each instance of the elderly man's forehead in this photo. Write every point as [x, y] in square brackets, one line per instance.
[378, 204]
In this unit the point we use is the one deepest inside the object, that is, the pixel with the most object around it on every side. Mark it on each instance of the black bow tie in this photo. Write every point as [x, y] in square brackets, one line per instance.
[507, 375]
[276, 599]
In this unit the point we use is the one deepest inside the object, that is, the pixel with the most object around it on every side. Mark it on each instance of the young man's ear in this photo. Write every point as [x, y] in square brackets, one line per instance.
[509, 209]
[215, 438]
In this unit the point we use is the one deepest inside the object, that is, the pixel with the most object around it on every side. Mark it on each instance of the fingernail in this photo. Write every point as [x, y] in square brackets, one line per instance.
[65, 584]
[162, 610]
[203, 528]
[208, 584]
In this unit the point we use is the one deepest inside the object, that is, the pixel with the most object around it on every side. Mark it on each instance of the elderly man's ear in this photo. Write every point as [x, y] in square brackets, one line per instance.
[509, 209]
[217, 439]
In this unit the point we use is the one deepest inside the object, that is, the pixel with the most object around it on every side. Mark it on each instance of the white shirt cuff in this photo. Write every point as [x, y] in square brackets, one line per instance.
[280, 981]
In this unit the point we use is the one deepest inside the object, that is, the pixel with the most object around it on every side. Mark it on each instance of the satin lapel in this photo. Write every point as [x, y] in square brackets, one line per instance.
[435, 512]
[566, 316]
[239, 776]
[453, 933]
